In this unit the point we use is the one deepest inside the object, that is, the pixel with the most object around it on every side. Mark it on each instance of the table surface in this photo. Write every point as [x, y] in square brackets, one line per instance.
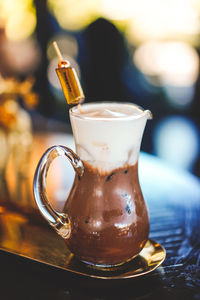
[173, 199]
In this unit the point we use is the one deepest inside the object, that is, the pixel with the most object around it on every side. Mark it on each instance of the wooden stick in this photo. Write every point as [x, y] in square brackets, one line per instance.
[80, 108]
[57, 50]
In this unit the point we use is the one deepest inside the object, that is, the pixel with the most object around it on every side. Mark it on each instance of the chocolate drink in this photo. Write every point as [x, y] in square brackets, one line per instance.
[105, 220]
[113, 228]
[107, 212]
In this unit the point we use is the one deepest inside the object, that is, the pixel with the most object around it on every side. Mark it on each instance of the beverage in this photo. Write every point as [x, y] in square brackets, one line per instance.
[114, 227]
[105, 220]
[108, 135]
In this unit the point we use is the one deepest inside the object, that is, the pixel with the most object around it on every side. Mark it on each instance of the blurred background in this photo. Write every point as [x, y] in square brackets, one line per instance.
[146, 52]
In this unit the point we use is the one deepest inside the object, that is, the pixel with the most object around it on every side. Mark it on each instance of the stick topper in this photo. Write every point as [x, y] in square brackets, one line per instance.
[69, 80]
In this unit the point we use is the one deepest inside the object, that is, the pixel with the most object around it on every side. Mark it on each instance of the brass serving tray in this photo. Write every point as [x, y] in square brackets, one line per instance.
[27, 236]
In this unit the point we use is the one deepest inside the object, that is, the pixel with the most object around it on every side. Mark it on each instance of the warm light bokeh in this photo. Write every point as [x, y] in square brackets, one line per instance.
[18, 18]
[143, 20]
[176, 63]
[74, 15]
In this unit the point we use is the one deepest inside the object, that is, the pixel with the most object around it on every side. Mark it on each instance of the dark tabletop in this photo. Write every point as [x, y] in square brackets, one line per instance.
[173, 199]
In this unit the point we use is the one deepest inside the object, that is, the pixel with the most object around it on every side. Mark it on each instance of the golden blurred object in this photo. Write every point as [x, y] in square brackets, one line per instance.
[15, 123]
[7, 115]
[70, 84]
[14, 14]
[76, 14]
[12, 88]
[69, 79]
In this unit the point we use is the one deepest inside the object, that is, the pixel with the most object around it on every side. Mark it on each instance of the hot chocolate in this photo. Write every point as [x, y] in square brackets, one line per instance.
[105, 220]
[106, 207]
[114, 227]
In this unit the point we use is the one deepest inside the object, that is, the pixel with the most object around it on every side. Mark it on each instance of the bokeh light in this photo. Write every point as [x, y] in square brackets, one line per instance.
[164, 19]
[20, 57]
[176, 139]
[15, 29]
[75, 14]
[19, 18]
[179, 97]
[118, 10]
[142, 20]
[66, 42]
[172, 65]
[175, 63]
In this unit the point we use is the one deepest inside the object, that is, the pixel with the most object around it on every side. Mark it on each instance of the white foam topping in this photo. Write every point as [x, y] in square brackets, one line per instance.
[105, 113]
[108, 135]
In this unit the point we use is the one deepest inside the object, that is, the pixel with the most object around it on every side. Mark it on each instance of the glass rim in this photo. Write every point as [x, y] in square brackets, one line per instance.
[74, 111]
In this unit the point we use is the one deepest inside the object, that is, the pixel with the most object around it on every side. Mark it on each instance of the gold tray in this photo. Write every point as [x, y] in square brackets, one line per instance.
[28, 237]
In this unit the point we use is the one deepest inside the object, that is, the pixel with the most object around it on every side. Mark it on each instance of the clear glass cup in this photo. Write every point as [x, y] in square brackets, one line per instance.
[105, 220]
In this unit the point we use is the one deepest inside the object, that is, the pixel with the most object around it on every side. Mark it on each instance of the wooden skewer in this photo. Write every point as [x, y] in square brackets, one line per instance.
[57, 50]
[80, 108]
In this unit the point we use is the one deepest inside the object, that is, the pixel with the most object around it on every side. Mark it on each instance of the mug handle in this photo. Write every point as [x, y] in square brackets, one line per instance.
[59, 221]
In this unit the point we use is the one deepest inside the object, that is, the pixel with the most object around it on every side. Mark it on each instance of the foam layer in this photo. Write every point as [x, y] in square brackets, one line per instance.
[108, 135]
[104, 113]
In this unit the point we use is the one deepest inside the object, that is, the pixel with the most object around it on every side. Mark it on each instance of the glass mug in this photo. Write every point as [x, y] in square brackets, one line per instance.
[105, 220]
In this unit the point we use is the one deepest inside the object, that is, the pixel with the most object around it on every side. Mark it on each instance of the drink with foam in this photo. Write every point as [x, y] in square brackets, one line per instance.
[109, 219]
[108, 135]
[105, 220]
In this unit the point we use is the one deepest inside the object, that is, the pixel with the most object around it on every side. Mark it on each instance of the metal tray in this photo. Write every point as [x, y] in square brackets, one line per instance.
[27, 236]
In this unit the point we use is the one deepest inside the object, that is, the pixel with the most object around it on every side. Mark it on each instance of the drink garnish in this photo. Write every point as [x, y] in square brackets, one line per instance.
[69, 80]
